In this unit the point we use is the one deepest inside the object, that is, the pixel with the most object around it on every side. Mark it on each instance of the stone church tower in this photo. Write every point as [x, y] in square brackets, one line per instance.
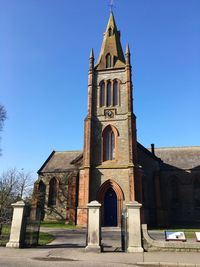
[110, 154]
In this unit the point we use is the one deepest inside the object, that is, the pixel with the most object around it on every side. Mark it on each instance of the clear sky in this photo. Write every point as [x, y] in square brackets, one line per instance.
[44, 51]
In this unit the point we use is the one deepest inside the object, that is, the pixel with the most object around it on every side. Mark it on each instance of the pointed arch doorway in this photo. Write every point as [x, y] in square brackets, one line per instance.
[111, 196]
[110, 208]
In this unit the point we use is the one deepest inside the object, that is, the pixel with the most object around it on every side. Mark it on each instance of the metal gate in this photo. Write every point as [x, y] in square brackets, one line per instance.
[124, 235]
[32, 228]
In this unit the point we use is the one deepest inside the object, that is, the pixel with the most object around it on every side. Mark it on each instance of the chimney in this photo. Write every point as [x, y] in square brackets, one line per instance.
[153, 149]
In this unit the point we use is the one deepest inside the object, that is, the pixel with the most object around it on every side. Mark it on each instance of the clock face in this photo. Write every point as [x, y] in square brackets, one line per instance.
[109, 113]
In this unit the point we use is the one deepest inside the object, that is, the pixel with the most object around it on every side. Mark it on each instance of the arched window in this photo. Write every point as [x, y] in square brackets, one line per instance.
[115, 93]
[102, 94]
[109, 143]
[52, 192]
[41, 192]
[108, 61]
[109, 94]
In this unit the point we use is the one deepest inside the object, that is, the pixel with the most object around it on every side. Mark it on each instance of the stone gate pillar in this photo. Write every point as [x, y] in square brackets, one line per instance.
[134, 227]
[18, 227]
[94, 229]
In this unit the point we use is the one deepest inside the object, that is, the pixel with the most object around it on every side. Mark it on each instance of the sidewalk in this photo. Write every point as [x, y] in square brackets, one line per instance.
[78, 257]
[68, 250]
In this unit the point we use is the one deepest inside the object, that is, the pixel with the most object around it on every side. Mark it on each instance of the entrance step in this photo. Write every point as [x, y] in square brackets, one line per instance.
[110, 229]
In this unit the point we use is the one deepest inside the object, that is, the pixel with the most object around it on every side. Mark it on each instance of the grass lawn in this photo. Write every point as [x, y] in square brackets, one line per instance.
[4, 236]
[45, 238]
[60, 225]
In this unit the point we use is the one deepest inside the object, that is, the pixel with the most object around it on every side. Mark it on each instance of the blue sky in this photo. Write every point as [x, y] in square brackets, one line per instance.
[44, 51]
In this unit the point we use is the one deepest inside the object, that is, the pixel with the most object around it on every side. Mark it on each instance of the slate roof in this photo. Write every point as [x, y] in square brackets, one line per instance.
[60, 161]
[180, 157]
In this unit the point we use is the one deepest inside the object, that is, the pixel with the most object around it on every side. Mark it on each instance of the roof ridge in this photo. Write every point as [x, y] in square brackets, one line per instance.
[175, 147]
[63, 151]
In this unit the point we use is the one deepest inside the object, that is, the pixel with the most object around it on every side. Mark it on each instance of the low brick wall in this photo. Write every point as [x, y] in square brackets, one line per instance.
[150, 244]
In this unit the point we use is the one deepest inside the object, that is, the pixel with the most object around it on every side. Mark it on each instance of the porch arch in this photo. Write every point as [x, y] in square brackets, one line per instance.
[120, 197]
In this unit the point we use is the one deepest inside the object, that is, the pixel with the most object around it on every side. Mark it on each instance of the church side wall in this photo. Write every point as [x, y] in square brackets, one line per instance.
[150, 168]
[65, 206]
[180, 195]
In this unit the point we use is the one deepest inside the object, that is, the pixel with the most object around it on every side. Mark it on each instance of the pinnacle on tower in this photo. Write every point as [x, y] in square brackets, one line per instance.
[128, 54]
[91, 53]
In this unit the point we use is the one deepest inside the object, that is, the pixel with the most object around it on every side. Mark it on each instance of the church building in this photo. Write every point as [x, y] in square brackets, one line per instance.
[113, 167]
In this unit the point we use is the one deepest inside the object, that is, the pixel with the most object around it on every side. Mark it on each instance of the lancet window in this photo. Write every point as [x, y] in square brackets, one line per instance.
[102, 94]
[52, 192]
[110, 135]
[109, 94]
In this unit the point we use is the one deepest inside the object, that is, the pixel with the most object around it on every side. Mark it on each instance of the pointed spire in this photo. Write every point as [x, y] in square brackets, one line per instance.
[111, 54]
[111, 22]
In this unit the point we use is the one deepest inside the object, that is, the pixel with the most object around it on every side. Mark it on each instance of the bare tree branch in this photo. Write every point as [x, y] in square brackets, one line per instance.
[14, 185]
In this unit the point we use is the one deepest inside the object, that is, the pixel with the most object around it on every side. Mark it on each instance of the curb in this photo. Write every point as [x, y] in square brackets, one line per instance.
[166, 264]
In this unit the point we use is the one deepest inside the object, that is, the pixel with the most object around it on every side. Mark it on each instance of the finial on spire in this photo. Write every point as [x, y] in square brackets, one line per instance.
[111, 5]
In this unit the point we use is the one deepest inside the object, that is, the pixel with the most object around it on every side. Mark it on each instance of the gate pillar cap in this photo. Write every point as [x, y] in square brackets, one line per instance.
[94, 204]
[19, 203]
[134, 204]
